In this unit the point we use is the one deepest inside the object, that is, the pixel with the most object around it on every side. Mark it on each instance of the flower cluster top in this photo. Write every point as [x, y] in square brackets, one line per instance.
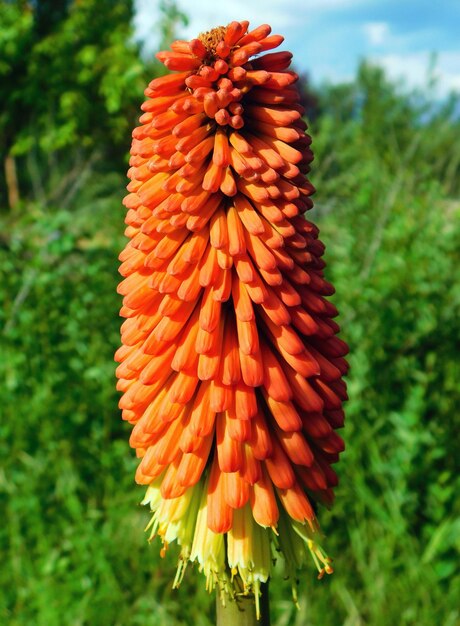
[220, 70]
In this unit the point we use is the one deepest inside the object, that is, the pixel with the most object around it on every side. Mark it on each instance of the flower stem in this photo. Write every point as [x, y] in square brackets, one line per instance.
[242, 612]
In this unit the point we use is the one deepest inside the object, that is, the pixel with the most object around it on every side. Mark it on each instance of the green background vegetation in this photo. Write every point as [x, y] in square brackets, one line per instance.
[72, 547]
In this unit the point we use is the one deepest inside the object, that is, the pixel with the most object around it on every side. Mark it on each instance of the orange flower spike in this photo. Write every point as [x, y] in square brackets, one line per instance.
[230, 366]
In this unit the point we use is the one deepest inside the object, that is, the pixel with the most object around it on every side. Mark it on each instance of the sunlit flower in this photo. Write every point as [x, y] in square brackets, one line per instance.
[230, 367]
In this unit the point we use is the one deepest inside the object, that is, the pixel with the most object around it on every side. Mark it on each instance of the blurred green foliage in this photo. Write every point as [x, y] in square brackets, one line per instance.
[72, 546]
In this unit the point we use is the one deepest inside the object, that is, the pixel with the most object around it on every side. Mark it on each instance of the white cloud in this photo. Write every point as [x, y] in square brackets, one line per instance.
[321, 6]
[203, 15]
[207, 14]
[418, 69]
[376, 32]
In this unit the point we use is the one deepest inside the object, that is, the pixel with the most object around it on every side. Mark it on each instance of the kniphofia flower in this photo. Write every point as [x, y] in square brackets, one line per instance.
[230, 367]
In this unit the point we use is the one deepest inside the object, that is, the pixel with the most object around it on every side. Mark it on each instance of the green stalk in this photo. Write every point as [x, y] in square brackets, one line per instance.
[242, 612]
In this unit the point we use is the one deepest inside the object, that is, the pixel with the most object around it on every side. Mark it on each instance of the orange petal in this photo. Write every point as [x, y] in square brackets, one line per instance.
[221, 154]
[229, 451]
[263, 502]
[236, 239]
[218, 229]
[295, 446]
[285, 414]
[241, 301]
[197, 222]
[185, 357]
[223, 282]
[219, 512]
[209, 268]
[329, 372]
[252, 370]
[275, 309]
[192, 465]
[213, 177]
[275, 381]
[331, 400]
[312, 477]
[285, 337]
[209, 311]
[245, 402]
[170, 486]
[297, 504]
[303, 392]
[228, 185]
[275, 62]
[156, 364]
[176, 61]
[183, 387]
[196, 246]
[256, 34]
[238, 429]
[167, 83]
[287, 294]
[166, 448]
[252, 468]
[209, 362]
[270, 156]
[221, 396]
[332, 443]
[190, 124]
[303, 321]
[261, 441]
[280, 467]
[170, 327]
[248, 215]
[148, 469]
[248, 337]
[190, 287]
[277, 116]
[230, 365]
[315, 425]
[260, 254]
[236, 490]
[202, 418]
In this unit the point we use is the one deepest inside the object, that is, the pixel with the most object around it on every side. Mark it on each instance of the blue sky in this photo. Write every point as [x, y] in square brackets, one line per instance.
[329, 37]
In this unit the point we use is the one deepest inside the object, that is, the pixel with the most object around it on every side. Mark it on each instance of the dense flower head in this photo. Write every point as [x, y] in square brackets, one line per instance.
[230, 368]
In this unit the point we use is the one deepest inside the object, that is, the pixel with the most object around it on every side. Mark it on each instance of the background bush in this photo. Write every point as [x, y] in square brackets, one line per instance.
[387, 164]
